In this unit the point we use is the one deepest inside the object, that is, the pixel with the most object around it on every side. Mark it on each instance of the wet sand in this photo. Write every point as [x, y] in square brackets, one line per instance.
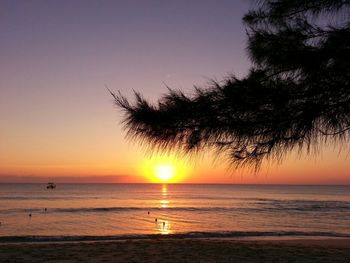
[180, 250]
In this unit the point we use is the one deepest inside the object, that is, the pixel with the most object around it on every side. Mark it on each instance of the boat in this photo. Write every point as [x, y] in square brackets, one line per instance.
[51, 186]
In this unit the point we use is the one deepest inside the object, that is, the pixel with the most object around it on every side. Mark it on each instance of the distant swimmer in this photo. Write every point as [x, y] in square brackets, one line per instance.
[148, 212]
[30, 215]
[50, 186]
[45, 209]
[155, 220]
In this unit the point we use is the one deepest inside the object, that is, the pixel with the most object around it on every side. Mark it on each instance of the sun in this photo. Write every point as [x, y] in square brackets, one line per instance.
[164, 169]
[165, 172]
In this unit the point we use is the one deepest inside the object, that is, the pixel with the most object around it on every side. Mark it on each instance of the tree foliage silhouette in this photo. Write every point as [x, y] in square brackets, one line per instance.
[296, 94]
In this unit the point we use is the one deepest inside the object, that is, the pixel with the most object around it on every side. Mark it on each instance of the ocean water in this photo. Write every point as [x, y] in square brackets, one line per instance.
[111, 211]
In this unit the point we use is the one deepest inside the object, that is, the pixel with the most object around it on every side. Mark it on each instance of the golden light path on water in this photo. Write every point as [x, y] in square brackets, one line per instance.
[164, 225]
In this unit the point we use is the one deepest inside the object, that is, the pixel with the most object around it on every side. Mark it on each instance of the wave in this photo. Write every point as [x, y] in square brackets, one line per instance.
[178, 197]
[116, 209]
[50, 198]
[227, 234]
[269, 207]
[304, 205]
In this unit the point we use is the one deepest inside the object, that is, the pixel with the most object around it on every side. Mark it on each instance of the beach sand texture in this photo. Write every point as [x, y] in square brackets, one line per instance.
[181, 250]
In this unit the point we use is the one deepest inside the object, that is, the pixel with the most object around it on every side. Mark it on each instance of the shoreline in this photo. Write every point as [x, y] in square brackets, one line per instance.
[239, 235]
[302, 241]
[181, 250]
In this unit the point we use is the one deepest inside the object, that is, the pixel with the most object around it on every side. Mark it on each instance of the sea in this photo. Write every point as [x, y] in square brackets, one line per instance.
[31, 212]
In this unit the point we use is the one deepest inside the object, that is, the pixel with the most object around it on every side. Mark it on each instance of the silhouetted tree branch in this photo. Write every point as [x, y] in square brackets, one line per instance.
[296, 94]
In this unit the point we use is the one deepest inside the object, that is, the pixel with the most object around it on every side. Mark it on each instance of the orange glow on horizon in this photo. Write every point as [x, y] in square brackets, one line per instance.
[328, 167]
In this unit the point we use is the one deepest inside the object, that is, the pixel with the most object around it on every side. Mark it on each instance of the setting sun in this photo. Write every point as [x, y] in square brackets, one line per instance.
[165, 172]
[164, 169]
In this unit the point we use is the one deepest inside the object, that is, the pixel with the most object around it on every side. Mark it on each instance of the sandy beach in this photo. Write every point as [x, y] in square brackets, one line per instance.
[181, 250]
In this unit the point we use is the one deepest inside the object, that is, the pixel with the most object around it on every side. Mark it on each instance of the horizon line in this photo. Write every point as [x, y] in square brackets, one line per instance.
[204, 183]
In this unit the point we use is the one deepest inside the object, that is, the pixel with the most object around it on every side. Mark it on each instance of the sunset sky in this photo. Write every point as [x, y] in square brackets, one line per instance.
[58, 121]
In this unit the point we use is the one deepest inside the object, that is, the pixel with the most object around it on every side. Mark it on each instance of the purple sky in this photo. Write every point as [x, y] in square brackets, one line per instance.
[56, 56]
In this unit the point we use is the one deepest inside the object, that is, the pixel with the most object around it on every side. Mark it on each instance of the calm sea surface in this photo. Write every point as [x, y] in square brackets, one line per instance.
[203, 210]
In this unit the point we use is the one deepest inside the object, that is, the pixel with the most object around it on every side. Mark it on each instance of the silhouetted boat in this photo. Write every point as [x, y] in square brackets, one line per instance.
[51, 186]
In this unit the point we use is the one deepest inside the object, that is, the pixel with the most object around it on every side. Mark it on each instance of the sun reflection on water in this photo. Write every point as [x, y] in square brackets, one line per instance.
[164, 225]
[164, 190]
[164, 202]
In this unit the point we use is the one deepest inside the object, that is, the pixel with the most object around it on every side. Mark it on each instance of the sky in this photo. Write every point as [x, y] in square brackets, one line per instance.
[58, 121]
